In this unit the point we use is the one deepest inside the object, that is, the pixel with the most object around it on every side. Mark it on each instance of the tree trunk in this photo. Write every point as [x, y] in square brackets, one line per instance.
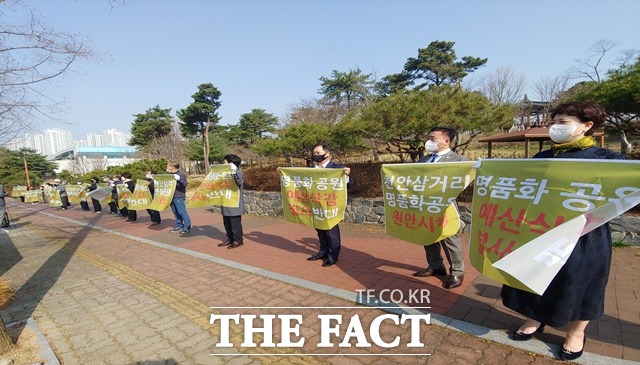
[5, 340]
[206, 147]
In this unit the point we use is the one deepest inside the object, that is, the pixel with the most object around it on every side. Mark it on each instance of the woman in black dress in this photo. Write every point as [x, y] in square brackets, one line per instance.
[576, 295]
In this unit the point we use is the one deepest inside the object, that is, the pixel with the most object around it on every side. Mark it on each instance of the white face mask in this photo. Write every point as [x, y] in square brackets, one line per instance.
[431, 146]
[561, 133]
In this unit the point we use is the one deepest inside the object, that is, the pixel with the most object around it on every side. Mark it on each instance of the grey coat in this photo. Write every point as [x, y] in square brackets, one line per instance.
[238, 177]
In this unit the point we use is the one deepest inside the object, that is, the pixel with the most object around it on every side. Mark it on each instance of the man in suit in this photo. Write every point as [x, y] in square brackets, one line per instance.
[329, 239]
[439, 147]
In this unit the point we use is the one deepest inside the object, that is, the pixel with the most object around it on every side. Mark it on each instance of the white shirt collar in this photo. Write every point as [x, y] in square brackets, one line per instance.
[318, 166]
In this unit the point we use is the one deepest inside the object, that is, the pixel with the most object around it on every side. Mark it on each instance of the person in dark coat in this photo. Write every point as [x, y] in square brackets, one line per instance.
[576, 295]
[232, 217]
[329, 239]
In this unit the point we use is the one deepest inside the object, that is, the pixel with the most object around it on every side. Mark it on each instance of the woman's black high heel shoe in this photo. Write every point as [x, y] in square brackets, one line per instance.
[519, 336]
[570, 355]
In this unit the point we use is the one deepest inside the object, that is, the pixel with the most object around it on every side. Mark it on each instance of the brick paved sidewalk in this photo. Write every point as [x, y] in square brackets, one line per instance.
[370, 260]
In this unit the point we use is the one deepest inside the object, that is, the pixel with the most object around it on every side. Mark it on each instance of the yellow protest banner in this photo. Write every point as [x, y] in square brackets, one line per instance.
[49, 192]
[53, 196]
[529, 213]
[101, 194]
[313, 197]
[123, 195]
[33, 196]
[141, 197]
[164, 187]
[419, 199]
[18, 191]
[76, 192]
[218, 188]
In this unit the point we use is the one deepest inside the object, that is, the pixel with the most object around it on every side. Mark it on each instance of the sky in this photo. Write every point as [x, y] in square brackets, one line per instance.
[270, 54]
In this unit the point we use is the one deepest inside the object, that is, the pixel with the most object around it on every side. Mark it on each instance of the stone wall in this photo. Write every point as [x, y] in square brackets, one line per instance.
[624, 229]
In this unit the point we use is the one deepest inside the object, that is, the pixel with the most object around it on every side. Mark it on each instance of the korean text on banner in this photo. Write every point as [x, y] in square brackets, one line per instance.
[18, 191]
[33, 196]
[124, 194]
[75, 192]
[313, 197]
[141, 196]
[53, 196]
[419, 199]
[528, 214]
[101, 194]
[164, 187]
[218, 188]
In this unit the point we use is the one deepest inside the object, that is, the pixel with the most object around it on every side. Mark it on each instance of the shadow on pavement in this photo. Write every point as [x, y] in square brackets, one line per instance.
[8, 252]
[31, 293]
[279, 242]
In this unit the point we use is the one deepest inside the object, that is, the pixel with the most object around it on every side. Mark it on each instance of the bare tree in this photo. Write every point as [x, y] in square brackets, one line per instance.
[548, 89]
[32, 57]
[590, 66]
[504, 86]
[626, 56]
[170, 147]
[313, 111]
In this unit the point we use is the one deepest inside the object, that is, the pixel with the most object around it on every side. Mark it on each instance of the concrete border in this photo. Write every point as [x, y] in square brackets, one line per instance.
[46, 352]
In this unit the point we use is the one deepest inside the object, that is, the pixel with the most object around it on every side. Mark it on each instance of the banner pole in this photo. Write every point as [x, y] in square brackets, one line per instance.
[26, 172]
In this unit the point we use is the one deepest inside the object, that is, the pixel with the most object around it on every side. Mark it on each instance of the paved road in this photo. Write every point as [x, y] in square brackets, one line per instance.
[104, 299]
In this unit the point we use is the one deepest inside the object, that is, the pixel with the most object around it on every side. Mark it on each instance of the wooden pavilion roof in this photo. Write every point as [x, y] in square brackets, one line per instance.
[532, 134]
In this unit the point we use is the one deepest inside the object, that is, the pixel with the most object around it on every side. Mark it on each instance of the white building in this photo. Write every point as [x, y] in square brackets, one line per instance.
[32, 141]
[115, 138]
[81, 160]
[95, 140]
[56, 140]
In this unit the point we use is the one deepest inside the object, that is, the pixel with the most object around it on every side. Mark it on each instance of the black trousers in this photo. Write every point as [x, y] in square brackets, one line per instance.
[329, 242]
[84, 205]
[97, 207]
[113, 206]
[132, 215]
[233, 227]
[154, 215]
[65, 202]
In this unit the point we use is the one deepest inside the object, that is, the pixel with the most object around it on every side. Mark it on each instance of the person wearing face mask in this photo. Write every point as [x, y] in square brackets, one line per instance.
[232, 217]
[329, 239]
[439, 147]
[178, 206]
[576, 294]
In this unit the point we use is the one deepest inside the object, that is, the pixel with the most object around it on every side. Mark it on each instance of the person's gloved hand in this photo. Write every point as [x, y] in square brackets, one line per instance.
[233, 167]
[477, 163]
[176, 176]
